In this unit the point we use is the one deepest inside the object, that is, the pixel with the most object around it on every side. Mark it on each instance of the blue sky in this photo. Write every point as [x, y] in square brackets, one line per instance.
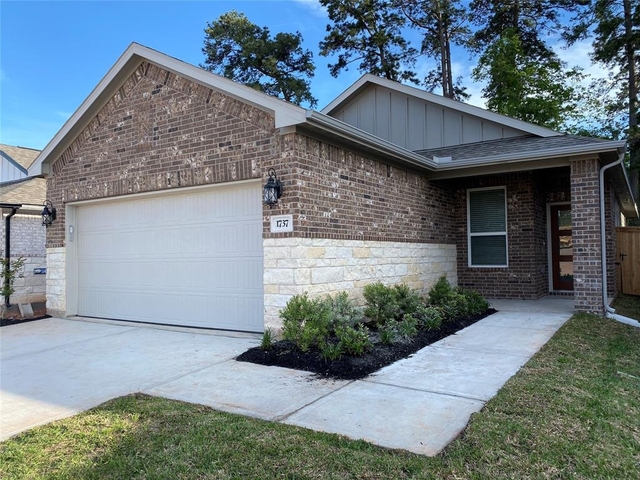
[53, 53]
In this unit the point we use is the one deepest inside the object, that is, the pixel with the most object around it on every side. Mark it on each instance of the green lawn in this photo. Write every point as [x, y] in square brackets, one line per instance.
[627, 305]
[572, 412]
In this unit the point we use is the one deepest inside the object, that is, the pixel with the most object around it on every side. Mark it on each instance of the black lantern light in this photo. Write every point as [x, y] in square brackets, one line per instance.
[48, 213]
[272, 190]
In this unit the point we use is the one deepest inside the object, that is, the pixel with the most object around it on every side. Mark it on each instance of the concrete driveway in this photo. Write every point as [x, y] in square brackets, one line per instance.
[55, 368]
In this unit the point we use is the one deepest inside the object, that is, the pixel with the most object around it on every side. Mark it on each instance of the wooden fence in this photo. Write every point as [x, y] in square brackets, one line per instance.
[628, 258]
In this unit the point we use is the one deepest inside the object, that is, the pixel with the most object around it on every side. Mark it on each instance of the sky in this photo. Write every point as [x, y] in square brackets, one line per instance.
[53, 53]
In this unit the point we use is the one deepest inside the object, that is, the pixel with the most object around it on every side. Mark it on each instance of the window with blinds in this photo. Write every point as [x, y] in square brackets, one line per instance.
[487, 227]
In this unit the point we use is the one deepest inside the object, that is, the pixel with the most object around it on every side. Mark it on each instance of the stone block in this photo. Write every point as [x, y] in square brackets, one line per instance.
[361, 252]
[278, 276]
[327, 275]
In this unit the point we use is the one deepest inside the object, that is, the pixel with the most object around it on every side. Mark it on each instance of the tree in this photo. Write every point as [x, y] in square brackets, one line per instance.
[369, 32]
[442, 22]
[615, 27]
[536, 90]
[240, 50]
[525, 78]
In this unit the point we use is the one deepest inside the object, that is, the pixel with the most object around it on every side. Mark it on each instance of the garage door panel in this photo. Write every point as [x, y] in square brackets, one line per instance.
[188, 259]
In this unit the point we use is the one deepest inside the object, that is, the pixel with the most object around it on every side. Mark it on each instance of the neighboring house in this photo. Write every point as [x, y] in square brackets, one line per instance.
[158, 178]
[27, 232]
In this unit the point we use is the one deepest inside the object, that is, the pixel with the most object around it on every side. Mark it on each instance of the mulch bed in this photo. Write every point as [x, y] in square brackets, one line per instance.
[12, 315]
[285, 354]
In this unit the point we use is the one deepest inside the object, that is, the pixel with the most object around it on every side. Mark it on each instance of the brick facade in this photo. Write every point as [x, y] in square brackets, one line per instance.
[527, 274]
[335, 193]
[160, 132]
[586, 235]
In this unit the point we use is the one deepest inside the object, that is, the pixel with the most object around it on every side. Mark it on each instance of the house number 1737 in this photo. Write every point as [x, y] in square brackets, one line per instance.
[281, 223]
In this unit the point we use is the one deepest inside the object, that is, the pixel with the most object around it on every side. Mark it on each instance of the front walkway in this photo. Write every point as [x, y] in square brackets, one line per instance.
[55, 368]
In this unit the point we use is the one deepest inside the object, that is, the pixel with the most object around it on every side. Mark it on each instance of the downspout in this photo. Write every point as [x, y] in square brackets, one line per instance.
[609, 312]
[7, 251]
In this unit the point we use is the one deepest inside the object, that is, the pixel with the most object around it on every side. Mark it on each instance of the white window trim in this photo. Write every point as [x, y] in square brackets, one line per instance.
[489, 234]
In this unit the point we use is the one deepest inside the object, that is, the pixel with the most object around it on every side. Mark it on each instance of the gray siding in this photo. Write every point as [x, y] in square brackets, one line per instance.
[417, 124]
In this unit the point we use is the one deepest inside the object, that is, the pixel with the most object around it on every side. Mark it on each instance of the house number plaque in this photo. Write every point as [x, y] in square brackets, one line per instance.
[281, 223]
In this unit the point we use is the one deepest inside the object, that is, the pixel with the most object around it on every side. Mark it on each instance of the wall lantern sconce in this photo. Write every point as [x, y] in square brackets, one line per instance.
[272, 190]
[48, 213]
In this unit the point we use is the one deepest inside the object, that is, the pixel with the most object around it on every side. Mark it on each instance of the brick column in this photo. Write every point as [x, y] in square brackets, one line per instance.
[585, 213]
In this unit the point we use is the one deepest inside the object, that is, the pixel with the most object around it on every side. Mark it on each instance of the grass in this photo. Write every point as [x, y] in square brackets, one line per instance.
[571, 412]
[627, 305]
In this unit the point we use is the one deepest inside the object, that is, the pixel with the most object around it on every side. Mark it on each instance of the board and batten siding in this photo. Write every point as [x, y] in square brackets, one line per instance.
[417, 124]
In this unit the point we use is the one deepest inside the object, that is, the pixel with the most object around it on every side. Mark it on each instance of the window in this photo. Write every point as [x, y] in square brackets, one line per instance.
[487, 227]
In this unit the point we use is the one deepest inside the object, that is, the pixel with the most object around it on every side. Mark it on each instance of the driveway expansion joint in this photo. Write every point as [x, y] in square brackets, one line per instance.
[282, 418]
[425, 390]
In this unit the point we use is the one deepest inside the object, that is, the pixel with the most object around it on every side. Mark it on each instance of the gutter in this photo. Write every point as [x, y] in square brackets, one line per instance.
[609, 312]
[7, 246]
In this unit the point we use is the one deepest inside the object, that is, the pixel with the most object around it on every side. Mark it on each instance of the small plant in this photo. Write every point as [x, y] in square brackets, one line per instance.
[267, 340]
[455, 306]
[354, 340]
[343, 311]
[331, 351]
[381, 304]
[306, 322]
[408, 327]
[477, 304]
[440, 291]
[408, 300]
[431, 317]
[389, 332]
[8, 272]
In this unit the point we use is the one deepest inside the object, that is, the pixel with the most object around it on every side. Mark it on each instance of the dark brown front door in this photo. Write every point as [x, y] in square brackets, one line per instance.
[561, 247]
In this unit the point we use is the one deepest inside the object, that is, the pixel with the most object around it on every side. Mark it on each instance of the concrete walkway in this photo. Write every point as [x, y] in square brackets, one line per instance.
[55, 368]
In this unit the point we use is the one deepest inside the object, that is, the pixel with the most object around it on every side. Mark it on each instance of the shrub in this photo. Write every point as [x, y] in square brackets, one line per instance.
[389, 332]
[306, 322]
[355, 341]
[477, 304]
[381, 304]
[267, 340]
[343, 311]
[331, 351]
[455, 306]
[440, 291]
[408, 300]
[408, 327]
[431, 317]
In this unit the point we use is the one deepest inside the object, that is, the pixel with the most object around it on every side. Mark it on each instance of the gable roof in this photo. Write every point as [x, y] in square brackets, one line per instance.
[285, 113]
[21, 157]
[368, 80]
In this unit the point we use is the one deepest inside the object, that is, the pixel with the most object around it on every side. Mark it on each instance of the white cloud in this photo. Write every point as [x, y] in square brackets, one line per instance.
[314, 7]
[579, 55]
[64, 115]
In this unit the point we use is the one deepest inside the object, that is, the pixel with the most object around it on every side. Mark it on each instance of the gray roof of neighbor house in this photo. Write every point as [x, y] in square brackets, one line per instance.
[23, 156]
[27, 191]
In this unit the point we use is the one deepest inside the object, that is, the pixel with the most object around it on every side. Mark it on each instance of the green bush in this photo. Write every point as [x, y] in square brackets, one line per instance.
[267, 340]
[408, 300]
[431, 317]
[408, 327]
[343, 311]
[389, 332]
[455, 306]
[331, 351]
[354, 340]
[381, 305]
[440, 291]
[306, 322]
[477, 304]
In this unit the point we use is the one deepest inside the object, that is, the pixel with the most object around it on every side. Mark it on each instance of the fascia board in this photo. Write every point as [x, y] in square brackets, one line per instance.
[439, 100]
[134, 55]
[367, 140]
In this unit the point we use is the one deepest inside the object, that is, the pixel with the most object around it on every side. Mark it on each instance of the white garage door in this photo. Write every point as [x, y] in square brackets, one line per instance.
[192, 259]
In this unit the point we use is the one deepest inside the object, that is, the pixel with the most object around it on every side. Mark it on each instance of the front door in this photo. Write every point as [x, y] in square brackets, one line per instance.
[561, 247]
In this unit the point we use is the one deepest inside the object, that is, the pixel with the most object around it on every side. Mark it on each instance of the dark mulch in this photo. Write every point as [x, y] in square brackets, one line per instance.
[285, 354]
[12, 316]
